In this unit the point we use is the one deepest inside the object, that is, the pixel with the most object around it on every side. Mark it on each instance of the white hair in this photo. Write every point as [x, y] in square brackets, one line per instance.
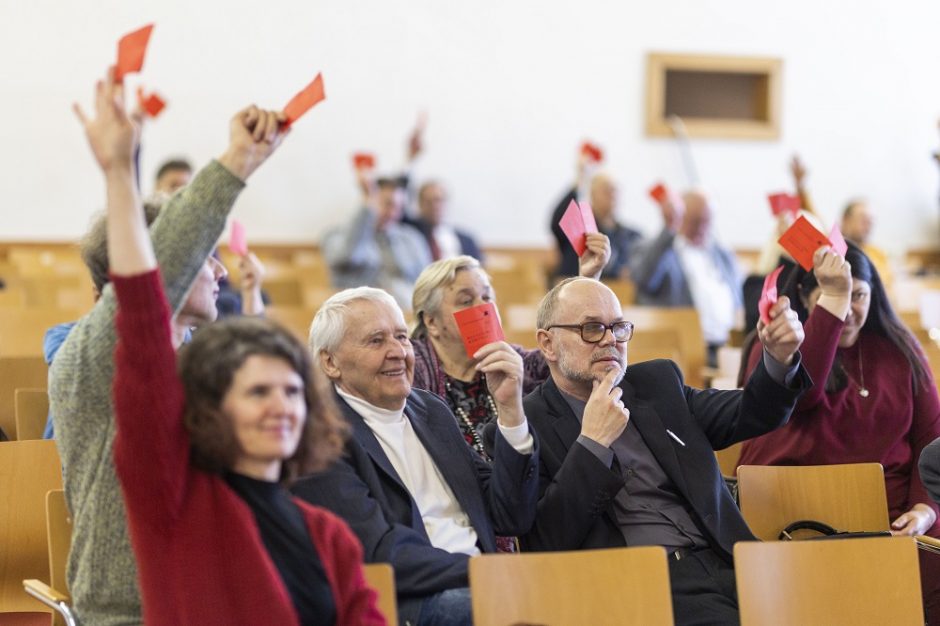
[329, 324]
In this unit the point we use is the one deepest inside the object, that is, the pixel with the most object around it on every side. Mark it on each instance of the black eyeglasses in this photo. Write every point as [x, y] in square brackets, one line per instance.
[593, 332]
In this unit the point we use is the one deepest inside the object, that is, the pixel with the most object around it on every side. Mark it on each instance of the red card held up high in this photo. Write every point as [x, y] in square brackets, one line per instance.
[802, 240]
[131, 50]
[363, 161]
[306, 99]
[152, 105]
[592, 151]
[572, 224]
[768, 296]
[659, 193]
[238, 240]
[479, 325]
[784, 203]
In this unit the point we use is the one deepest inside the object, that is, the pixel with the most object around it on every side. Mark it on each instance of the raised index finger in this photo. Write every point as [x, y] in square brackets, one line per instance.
[608, 382]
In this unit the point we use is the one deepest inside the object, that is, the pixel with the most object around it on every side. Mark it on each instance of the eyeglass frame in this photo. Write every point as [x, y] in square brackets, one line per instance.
[610, 327]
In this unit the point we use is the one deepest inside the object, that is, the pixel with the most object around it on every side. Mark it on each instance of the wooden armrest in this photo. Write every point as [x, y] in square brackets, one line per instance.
[43, 592]
[928, 543]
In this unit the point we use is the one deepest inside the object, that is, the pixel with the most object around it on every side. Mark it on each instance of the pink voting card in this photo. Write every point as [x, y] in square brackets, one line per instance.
[479, 325]
[238, 241]
[659, 193]
[768, 297]
[306, 99]
[802, 240]
[131, 50]
[784, 203]
[576, 223]
[838, 241]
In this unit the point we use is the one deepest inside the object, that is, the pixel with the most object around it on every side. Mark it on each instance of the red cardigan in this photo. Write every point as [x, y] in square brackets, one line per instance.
[891, 426]
[200, 556]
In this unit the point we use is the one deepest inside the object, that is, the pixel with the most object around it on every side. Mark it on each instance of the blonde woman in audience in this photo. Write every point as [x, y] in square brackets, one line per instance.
[874, 398]
[442, 365]
[201, 453]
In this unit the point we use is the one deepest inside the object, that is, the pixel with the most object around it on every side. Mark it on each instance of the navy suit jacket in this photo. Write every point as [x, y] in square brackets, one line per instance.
[365, 490]
[575, 509]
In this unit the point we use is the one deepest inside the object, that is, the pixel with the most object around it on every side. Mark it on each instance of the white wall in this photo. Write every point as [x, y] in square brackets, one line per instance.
[511, 89]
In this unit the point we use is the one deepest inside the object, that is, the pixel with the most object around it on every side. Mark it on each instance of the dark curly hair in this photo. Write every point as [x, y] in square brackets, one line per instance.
[207, 366]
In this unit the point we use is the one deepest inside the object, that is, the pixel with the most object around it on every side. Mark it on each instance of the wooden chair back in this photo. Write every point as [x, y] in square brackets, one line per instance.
[31, 412]
[59, 528]
[682, 320]
[295, 319]
[848, 497]
[15, 373]
[851, 582]
[28, 471]
[728, 459]
[381, 577]
[22, 329]
[616, 586]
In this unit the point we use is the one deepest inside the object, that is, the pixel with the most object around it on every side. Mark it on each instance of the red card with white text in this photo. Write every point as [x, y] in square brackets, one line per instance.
[802, 240]
[573, 224]
[838, 241]
[306, 99]
[784, 203]
[659, 193]
[592, 151]
[131, 50]
[363, 161]
[152, 105]
[238, 241]
[768, 297]
[479, 325]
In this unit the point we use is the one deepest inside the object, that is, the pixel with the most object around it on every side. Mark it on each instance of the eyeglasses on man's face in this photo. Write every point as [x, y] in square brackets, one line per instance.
[594, 332]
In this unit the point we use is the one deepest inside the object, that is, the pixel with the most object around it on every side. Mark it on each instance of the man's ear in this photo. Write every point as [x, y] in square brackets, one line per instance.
[329, 366]
[546, 343]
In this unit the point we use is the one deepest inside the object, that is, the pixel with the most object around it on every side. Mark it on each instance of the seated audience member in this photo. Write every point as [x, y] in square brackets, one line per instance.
[102, 575]
[444, 241]
[685, 266]
[628, 452]
[375, 249]
[248, 299]
[203, 454]
[874, 399]
[409, 486]
[856, 225]
[929, 466]
[172, 176]
[603, 198]
[442, 365]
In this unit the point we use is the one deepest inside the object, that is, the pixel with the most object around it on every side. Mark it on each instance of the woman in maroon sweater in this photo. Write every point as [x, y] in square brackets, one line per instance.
[874, 398]
[202, 454]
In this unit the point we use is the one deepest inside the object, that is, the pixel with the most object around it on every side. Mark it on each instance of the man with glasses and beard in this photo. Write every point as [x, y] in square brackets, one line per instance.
[627, 455]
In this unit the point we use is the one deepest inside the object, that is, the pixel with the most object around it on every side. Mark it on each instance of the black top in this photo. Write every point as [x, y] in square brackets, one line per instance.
[287, 540]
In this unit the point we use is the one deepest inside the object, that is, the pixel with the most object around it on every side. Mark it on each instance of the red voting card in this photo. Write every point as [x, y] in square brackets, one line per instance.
[592, 151]
[576, 225]
[238, 241]
[363, 161]
[838, 241]
[306, 99]
[768, 296]
[784, 203]
[479, 325]
[131, 50]
[802, 240]
[659, 193]
[152, 105]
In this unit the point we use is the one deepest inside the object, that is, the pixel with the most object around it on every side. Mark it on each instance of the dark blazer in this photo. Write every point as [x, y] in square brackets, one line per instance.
[365, 490]
[577, 490]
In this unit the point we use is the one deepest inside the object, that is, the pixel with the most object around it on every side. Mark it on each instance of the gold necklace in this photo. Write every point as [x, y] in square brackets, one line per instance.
[862, 389]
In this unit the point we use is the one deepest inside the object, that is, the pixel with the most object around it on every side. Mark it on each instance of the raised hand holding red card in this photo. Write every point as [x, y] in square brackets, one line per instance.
[659, 193]
[238, 240]
[151, 105]
[784, 203]
[592, 152]
[363, 161]
[306, 99]
[131, 50]
[768, 296]
[576, 225]
[802, 240]
[479, 325]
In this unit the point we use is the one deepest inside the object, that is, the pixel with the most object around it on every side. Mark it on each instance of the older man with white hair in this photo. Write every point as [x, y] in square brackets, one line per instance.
[412, 490]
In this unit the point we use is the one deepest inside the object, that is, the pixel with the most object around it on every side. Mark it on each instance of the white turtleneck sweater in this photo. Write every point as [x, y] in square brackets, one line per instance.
[445, 521]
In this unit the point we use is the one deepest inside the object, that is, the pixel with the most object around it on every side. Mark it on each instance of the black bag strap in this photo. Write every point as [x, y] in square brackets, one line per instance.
[826, 531]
